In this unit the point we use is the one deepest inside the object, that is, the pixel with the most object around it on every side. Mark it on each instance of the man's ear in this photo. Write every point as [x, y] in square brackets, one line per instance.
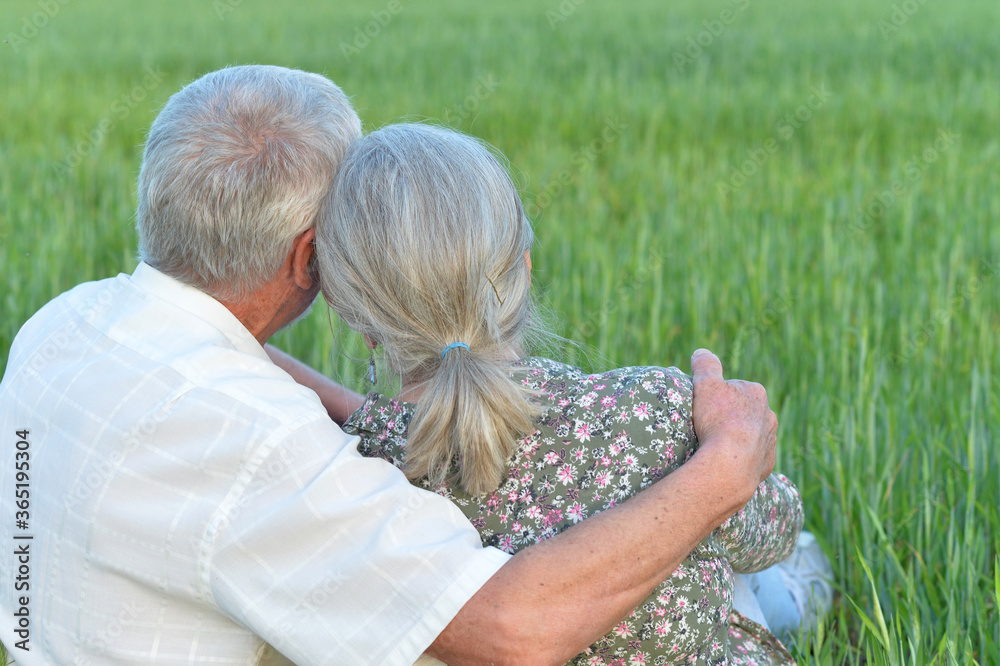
[301, 257]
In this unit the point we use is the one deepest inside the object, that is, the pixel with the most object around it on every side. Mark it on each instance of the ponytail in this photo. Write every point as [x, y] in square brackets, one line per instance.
[469, 418]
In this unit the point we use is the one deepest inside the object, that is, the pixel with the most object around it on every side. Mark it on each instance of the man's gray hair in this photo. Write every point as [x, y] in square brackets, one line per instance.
[235, 167]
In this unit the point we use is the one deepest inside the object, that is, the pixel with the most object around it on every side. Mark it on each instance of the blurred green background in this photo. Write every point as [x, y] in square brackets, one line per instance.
[809, 189]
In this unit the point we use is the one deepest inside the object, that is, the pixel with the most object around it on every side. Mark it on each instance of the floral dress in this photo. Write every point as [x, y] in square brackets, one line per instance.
[600, 439]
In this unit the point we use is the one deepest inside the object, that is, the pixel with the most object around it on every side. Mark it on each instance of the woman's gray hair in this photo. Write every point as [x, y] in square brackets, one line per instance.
[235, 167]
[421, 243]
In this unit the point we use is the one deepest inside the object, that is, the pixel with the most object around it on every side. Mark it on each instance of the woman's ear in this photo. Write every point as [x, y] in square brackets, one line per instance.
[372, 344]
[527, 259]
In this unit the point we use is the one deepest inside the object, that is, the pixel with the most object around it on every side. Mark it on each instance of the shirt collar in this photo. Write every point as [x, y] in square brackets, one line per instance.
[199, 304]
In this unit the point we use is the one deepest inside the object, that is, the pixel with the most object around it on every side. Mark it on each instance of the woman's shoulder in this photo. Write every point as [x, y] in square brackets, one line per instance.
[381, 423]
[631, 384]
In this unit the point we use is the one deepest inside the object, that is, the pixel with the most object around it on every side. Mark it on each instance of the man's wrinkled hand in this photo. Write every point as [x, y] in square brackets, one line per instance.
[732, 417]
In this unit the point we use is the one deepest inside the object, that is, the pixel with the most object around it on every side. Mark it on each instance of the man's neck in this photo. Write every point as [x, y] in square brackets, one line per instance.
[267, 309]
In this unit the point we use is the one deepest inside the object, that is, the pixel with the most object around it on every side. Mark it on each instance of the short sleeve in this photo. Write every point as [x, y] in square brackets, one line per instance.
[333, 558]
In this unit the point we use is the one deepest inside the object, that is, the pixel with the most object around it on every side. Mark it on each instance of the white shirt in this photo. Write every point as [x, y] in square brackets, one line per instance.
[189, 503]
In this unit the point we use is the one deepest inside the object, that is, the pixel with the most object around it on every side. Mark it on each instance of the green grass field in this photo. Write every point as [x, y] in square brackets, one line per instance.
[809, 189]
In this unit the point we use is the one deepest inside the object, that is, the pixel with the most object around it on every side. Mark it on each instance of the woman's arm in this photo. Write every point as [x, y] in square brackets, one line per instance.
[339, 401]
[555, 598]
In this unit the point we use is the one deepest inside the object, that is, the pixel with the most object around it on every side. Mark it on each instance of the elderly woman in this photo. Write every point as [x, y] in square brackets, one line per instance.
[423, 248]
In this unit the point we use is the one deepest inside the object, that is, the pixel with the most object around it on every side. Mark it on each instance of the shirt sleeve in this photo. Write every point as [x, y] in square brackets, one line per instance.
[333, 558]
[763, 532]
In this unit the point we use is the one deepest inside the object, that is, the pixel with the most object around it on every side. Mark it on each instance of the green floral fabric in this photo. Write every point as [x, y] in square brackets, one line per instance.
[601, 439]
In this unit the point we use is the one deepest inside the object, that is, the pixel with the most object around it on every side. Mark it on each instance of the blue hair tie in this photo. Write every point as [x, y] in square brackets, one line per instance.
[452, 346]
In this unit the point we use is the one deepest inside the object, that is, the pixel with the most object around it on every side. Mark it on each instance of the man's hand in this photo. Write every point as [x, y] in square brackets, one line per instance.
[734, 423]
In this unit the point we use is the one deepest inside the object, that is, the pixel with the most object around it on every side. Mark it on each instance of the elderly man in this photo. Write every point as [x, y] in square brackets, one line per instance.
[172, 495]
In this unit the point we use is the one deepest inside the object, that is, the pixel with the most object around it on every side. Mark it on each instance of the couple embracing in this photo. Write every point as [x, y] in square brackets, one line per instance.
[501, 508]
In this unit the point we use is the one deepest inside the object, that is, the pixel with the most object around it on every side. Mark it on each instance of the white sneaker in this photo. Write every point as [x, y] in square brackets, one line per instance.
[808, 575]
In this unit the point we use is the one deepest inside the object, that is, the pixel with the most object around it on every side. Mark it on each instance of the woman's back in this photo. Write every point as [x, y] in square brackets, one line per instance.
[598, 441]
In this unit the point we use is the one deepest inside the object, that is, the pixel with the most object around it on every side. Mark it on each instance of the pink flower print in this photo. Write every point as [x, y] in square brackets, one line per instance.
[552, 517]
[506, 543]
[582, 431]
[517, 527]
[563, 402]
[512, 496]
[623, 630]
[661, 628]
[551, 458]
[606, 461]
[675, 417]
[641, 411]
[673, 397]
[565, 474]
[608, 401]
[615, 448]
[600, 387]
[637, 659]
[390, 425]
[534, 512]
[576, 512]
[603, 479]
[580, 454]
[587, 400]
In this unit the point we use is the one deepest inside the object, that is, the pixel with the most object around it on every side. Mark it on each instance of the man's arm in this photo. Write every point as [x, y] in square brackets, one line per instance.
[339, 401]
[555, 598]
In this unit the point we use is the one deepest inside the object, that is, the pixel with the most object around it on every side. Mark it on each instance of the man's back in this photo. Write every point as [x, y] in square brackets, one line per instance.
[183, 501]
